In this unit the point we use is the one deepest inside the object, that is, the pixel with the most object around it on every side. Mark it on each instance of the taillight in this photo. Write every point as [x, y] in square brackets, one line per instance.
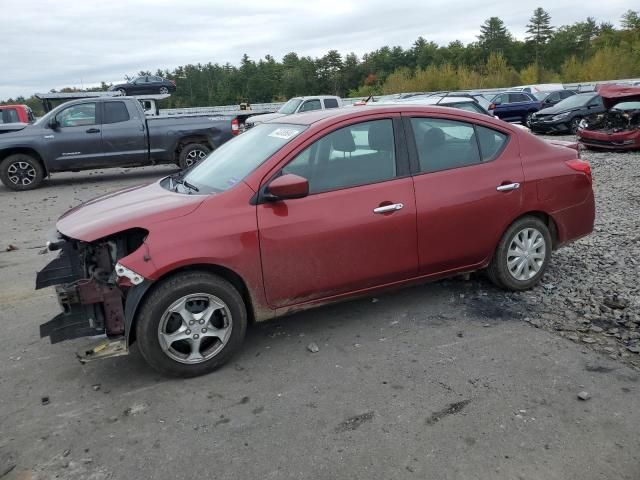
[174, 82]
[492, 106]
[235, 127]
[580, 166]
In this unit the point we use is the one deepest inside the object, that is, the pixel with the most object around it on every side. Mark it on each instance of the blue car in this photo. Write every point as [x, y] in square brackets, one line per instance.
[514, 106]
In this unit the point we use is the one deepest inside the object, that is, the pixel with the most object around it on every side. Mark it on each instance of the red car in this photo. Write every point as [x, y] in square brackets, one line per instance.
[619, 127]
[298, 213]
[16, 114]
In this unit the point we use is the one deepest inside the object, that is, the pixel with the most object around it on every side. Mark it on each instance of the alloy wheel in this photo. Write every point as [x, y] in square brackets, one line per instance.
[21, 173]
[526, 254]
[164, 90]
[195, 328]
[194, 156]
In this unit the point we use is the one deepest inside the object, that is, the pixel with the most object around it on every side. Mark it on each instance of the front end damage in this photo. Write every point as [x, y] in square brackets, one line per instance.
[92, 289]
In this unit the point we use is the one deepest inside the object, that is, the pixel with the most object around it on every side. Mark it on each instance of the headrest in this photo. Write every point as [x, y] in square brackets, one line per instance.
[433, 137]
[342, 141]
[381, 137]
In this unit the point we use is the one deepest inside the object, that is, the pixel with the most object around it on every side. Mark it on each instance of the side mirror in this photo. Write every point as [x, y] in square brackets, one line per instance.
[54, 124]
[288, 186]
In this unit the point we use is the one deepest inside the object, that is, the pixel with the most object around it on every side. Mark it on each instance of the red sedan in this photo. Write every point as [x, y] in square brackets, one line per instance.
[619, 127]
[295, 214]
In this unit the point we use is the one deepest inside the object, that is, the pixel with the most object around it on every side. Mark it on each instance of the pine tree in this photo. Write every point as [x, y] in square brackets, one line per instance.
[540, 31]
[494, 36]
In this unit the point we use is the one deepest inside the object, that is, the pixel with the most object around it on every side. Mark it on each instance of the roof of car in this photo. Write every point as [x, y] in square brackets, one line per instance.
[320, 116]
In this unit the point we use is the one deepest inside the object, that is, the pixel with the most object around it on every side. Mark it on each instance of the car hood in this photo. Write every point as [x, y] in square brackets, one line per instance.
[265, 118]
[555, 110]
[613, 94]
[134, 207]
[12, 127]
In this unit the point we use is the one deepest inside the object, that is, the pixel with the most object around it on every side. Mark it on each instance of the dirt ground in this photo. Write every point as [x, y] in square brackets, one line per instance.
[446, 381]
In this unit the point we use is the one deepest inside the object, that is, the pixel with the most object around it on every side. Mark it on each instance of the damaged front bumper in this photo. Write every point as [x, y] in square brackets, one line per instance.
[90, 304]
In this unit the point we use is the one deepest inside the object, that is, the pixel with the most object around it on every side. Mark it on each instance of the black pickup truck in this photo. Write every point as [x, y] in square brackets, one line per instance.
[106, 132]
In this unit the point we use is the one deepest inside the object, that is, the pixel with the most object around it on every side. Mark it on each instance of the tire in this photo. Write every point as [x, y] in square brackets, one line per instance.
[527, 120]
[504, 267]
[163, 90]
[574, 125]
[122, 91]
[191, 154]
[21, 172]
[168, 340]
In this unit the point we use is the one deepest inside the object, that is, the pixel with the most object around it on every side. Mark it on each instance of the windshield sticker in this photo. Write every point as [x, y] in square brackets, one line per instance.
[284, 133]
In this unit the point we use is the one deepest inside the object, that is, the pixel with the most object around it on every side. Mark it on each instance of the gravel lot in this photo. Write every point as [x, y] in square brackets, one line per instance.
[450, 380]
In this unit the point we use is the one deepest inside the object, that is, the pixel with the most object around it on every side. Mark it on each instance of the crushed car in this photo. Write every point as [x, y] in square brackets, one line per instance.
[618, 128]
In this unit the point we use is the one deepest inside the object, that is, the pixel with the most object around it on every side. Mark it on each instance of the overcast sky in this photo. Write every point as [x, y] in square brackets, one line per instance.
[52, 44]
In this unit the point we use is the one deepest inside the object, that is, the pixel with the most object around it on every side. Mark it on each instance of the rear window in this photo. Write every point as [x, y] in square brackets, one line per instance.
[115, 112]
[491, 142]
[330, 103]
[9, 115]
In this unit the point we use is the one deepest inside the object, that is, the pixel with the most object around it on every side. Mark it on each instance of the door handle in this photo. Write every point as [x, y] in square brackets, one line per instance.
[93, 130]
[388, 208]
[508, 187]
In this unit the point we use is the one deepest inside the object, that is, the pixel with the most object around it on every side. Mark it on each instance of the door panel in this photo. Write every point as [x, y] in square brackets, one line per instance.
[332, 242]
[77, 143]
[124, 138]
[461, 215]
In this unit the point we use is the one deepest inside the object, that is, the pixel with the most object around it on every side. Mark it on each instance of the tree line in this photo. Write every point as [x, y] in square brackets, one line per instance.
[580, 52]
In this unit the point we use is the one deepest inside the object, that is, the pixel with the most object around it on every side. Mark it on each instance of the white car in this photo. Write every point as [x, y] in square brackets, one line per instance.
[298, 105]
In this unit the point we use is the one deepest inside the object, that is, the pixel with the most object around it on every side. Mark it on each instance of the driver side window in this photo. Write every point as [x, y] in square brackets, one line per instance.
[310, 105]
[355, 155]
[78, 115]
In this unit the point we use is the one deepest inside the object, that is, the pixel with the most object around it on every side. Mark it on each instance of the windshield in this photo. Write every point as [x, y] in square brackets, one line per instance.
[628, 106]
[574, 101]
[290, 107]
[541, 95]
[233, 161]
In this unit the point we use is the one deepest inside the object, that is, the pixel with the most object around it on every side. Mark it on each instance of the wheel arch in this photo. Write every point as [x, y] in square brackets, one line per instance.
[546, 218]
[141, 292]
[27, 151]
[193, 138]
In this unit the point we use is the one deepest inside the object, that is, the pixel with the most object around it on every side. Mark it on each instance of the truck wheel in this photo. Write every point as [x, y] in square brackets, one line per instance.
[21, 172]
[522, 256]
[191, 324]
[191, 154]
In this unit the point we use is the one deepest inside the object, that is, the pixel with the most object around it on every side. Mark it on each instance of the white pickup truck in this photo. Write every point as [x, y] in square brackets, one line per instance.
[297, 105]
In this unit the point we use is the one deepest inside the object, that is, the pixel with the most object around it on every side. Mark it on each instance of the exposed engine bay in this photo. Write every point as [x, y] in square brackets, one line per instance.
[623, 117]
[90, 291]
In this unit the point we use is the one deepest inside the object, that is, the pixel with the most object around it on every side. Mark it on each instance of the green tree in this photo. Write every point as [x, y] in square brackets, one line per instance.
[630, 20]
[539, 31]
[494, 36]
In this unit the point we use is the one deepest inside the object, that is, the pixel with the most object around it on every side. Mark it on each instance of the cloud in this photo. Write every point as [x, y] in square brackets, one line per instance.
[52, 44]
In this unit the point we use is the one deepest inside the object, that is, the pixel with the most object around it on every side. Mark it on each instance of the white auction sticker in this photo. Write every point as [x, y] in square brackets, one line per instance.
[285, 133]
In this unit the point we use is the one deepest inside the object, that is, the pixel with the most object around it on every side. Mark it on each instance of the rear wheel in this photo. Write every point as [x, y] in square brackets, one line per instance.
[522, 256]
[163, 90]
[191, 154]
[191, 324]
[21, 172]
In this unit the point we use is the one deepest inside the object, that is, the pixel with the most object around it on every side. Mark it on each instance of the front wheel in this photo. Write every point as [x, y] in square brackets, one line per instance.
[191, 154]
[527, 120]
[522, 256]
[21, 172]
[191, 324]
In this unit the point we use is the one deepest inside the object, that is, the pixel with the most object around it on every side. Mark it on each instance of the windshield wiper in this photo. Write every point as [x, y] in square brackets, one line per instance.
[178, 180]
